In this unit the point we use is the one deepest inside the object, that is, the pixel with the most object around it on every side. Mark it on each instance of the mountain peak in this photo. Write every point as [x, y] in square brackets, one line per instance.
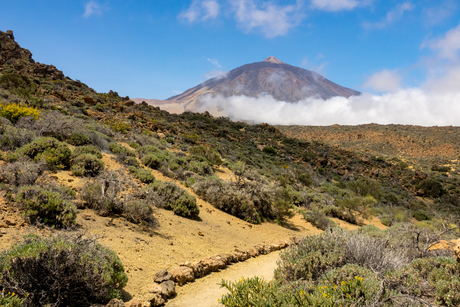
[272, 59]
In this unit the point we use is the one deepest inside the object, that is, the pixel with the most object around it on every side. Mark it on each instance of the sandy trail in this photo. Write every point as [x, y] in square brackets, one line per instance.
[205, 292]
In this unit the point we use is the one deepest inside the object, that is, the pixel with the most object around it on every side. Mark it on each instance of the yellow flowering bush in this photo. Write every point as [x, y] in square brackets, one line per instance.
[118, 125]
[14, 111]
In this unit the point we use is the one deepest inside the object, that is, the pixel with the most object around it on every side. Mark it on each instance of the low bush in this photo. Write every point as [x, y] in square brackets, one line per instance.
[118, 149]
[172, 197]
[46, 206]
[14, 111]
[87, 165]
[432, 187]
[366, 186]
[20, 173]
[269, 150]
[62, 270]
[319, 220]
[87, 149]
[136, 211]
[78, 139]
[145, 176]
[50, 150]
[208, 153]
[13, 138]
[151, 160]
[439, 168]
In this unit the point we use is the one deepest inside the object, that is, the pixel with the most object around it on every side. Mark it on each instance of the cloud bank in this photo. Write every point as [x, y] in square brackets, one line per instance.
[435, 102]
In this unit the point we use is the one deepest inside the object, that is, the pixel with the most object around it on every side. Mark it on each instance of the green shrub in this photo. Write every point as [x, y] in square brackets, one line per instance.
[145, 176]
[269, 150]
[87, 165]
[78, 139]
[439, 168]
[151, 160]
[431, 187]
[365, 187]
[319, 220]
[130, 161]
[118, 149]
[63, 270]
[208, 153]
[50, 150]
[10, 300]
[99, 107]
[46, 206]
[88, 149]
[387, 221]
[134, 145]
[309, 259]
[421, 215]
[174, 198]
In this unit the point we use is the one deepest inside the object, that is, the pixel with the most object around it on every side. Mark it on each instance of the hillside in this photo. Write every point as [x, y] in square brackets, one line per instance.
[172, 191]
[272, 77]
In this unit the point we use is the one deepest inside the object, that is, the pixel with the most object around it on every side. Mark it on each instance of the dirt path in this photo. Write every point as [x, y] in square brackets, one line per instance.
[205, 292]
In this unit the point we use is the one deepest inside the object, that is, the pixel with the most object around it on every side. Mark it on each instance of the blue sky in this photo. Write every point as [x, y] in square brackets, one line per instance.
[159, 48]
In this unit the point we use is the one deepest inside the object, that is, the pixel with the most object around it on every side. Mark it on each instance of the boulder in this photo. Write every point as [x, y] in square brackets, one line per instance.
[182, 275]
[90, 100]
[135, 302]
[162, 276]
[156, 300]
[214, 264]
[115, 303]
[457, 250]
[169, 288]
[253, 252]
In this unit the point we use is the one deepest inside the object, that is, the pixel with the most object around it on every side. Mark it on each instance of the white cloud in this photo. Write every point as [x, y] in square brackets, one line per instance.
[447, 46]
[273, 20]
[219, 74]
[384, 81]
[92, 8]
[435, 102]
[316, 68]
[201, 10]
[334, 5]
[214, 62]
[391, 16]
[409, 106]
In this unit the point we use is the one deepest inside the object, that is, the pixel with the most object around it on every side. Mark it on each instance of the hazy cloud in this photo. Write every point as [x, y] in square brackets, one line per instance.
[384, 81]
[316, 68]
[334, 5]
[200, 10]
[435, 102]
[440, 12]
[273, 20]
[214, 62]
[92, 8]
[219, 74]
[446, 46]
[391, 16]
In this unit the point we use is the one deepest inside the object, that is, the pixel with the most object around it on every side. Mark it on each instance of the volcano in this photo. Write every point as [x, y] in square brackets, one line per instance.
[273, 77]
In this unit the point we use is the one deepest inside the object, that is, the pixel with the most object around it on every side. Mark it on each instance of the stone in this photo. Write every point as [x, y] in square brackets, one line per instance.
[162, 276]
[155, 288]
[90, 100]
[214, 264]
[169, 288]
[162, 136]
[182, 275]
[276, 247]
[457, 250]
[10, 222]
[115, 303]
[226, 258]
[10, 34]
[253, 252]
[136, 303]
[157, 300]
